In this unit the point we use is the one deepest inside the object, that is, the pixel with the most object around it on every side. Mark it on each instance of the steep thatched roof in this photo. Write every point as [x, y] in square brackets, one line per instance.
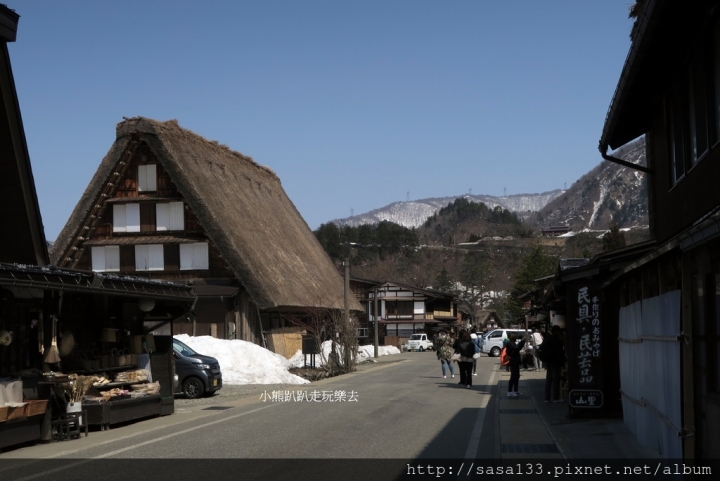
[243, 208]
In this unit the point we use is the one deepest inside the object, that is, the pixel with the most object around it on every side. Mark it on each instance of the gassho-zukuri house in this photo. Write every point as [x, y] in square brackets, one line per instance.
[168, 204]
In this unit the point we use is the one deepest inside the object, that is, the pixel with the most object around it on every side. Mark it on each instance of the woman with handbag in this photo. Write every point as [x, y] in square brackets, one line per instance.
[443, 348]
[466, 349]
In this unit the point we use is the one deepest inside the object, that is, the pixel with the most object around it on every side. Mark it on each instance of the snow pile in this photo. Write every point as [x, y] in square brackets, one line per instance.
[364, 353]
[243, 362]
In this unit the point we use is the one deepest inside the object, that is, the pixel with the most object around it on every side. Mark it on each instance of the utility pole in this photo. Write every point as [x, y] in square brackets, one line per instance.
[377, 320]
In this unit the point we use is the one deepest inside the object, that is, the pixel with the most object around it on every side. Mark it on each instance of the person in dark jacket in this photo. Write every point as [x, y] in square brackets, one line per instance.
[554, 352]
[465, 347]
[513, 350]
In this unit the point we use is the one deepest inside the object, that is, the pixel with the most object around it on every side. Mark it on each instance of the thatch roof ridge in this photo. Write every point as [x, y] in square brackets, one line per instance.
[151, 126]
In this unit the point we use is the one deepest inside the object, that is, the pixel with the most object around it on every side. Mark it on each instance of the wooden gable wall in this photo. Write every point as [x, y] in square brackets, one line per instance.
[127, 188]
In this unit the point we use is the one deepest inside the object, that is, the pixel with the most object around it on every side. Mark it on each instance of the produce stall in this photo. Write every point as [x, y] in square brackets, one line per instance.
[83, 341]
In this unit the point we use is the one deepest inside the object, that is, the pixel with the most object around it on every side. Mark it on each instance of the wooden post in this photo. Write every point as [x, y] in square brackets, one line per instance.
[377, 321]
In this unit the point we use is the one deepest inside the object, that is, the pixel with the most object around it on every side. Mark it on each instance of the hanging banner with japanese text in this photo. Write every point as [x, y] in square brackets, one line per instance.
[584, 346]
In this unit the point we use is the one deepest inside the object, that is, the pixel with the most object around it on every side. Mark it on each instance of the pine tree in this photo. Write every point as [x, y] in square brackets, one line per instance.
[443, 283]
[614, 239]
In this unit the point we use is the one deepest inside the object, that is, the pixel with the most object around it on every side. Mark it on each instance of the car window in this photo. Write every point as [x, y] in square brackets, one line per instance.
[182, 348]
[496, 334]
[415, 337]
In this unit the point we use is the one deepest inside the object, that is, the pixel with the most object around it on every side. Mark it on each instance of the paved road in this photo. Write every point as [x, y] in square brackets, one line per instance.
[399, 410]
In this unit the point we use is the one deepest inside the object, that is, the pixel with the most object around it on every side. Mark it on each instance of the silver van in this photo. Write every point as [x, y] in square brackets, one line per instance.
[492, 344]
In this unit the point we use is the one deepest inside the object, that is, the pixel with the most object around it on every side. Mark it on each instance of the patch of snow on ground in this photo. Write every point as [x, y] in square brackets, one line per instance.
[243, 362]
[364, 353]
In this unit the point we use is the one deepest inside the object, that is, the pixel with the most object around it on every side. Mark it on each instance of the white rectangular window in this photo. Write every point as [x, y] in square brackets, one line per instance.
[149, 257]
[170, 216]
[194, 256]
[119, 224]
[126, 218]
[132, 217]
[147, 178]
[106, 259]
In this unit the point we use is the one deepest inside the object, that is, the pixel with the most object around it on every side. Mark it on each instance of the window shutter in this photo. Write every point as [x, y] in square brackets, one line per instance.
[149, 257]
[119, 218]
[163, 216]
[142, 258]
[106, 259]
[200, 256]
[194, 256]
[132, 217]
[147, 178]
[157, 257]
[177, 216]
[112, 258]
[98, 259]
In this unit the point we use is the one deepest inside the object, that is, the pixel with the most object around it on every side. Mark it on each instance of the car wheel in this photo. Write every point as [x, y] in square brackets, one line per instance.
[422, 349]
[193, 388]
[495, 351]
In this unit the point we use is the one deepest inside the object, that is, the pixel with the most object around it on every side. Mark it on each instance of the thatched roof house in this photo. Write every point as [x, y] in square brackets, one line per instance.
[258, 244]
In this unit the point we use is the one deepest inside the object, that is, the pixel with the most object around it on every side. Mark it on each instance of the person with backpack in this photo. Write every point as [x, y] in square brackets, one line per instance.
[478, 349]
[443, 348]
[552, 353]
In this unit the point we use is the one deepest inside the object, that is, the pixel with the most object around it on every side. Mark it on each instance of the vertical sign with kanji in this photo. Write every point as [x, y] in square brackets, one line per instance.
[584, 346]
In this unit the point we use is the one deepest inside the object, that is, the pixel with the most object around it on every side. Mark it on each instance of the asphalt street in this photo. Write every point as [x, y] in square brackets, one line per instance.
[401, 409]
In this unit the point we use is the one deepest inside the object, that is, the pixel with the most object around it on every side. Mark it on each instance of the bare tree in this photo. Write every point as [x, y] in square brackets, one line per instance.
[324, 324]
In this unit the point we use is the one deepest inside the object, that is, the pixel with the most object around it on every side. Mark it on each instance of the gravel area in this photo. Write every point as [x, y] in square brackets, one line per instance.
[230, 393]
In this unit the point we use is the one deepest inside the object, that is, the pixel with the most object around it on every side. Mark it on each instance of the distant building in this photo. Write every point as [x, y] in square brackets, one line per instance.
[555, 231]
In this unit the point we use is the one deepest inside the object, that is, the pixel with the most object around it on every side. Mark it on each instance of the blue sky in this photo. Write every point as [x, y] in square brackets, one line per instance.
[351, 103]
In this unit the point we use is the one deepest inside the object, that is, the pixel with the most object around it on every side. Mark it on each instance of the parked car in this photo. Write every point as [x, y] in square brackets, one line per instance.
[197, 374]
[492, 344]
[419, 342]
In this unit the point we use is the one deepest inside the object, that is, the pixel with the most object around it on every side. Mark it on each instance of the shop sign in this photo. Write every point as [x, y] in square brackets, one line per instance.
[586, 398]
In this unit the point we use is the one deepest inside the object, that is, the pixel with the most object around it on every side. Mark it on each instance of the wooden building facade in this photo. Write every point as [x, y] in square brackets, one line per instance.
[668, 301]
[168, 204]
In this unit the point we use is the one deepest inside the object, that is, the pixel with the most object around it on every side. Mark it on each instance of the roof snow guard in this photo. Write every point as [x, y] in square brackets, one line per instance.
[18, 275]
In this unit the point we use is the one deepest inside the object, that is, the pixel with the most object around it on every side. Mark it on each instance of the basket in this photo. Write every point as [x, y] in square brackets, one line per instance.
[36, 407]
[3, 413]
[16, 412]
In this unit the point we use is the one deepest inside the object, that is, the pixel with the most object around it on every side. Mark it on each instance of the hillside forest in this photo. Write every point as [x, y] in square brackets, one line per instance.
[487, 257]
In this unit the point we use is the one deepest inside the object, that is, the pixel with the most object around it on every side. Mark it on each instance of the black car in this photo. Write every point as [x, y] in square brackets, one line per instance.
[197, 374]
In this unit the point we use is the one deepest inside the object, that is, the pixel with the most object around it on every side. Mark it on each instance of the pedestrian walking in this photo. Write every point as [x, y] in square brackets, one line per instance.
[513, 351]
[466, 348]
[552, 354]
[537, 340]
[478, 349]
[444, 350]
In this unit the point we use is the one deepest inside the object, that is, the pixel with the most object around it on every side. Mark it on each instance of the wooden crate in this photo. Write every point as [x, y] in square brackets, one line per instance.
[16, 412]
[3, 413]
[36, 407]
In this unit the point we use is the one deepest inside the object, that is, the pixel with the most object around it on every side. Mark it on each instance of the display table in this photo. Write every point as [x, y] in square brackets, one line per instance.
[104, 414]
[21, 430]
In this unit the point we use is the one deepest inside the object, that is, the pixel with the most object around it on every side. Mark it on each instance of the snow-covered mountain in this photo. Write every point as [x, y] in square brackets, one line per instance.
[415, 213]
[609, 192]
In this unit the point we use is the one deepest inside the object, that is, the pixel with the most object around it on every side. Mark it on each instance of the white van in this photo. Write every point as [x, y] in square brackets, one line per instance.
[492, 345]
